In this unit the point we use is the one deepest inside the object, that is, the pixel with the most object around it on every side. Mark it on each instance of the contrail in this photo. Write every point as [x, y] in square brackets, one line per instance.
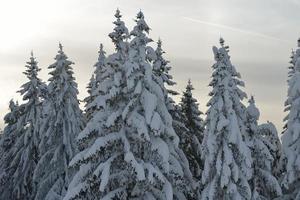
[235, 29]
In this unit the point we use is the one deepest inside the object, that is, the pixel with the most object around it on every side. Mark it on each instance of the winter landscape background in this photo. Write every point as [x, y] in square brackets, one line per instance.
[260, 34]
[137, 136]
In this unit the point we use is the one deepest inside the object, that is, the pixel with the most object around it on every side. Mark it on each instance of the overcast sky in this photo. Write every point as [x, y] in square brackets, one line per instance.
[260, 34]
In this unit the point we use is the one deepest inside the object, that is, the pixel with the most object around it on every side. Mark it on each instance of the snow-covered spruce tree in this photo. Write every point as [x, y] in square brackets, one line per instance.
[161, 70]
[84, 184]
[264, 184]
[11, 131]
[119, 35]
[291, 136]
[291, 71]
[135, 155]
[268, 130]
[227, 159]
[291, 68]
[91, 87]
[93, 84]
[62, 121]
[192, 144]
[25, 149]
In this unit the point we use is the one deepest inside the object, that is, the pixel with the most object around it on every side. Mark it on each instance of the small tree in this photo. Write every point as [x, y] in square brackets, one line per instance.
[161, 70]
[192, 143]
[11, 131]
[62, 122]
[94, 82]
[263, 183]
[227, 159]
[268, 130]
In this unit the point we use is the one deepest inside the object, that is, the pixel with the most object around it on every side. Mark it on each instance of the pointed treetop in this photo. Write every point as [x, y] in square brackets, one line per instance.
[119, 33]
[12, 104]
[292, 53]
[140, 15]
[159, 50]
[118, 14]
[140, 26]
[252, 110]
[101, 53]
[159, 43]
[298, 42]
[222, 41]
[32, 59]
[251, 100]
[32, 67]
[60, 46]
[189, 86]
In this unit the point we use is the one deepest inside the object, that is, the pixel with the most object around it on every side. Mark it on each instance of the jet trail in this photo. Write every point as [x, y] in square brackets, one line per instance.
[234, 29]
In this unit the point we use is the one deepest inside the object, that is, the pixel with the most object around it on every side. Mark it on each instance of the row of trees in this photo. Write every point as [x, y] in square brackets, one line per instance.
[132, 141]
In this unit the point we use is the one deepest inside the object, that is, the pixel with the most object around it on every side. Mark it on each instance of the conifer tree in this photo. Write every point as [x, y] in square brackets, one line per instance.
[93, 84]
[191, 144]
[25, 149]
[291, 135]
[264, 184]
[136, 153]
[61, 124]
[84, 184]
[119, 36]
[291, 68]
[91, 87]
[161, 70]
[268, 130]
[11, 131]
[227, 159]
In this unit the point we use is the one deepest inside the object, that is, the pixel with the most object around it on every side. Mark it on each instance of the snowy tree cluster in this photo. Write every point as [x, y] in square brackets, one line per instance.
[133, 141]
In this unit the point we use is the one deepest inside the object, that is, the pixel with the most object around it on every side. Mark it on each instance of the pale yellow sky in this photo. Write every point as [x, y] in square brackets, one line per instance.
[260, 35]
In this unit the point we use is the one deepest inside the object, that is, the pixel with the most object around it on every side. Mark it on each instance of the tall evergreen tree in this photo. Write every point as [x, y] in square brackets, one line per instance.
[25, 149]
[136, 153]
[195, 124]
[10, 133]
[264, 184]
[291, 68]
[161, 70]
[94, 82]
[291, 136]
[61, 124]
[227, 159]
[85, 184]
